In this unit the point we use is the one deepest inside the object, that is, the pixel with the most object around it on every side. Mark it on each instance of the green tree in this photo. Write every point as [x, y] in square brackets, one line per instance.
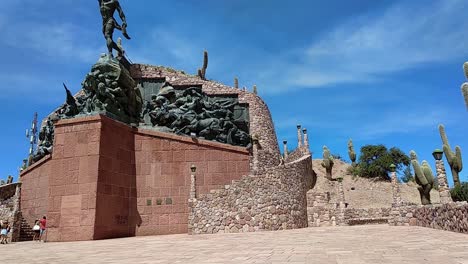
[375, 161]
[407, 175]
[459, 193]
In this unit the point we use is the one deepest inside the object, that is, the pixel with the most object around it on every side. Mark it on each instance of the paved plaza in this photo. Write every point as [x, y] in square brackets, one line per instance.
[357, 244]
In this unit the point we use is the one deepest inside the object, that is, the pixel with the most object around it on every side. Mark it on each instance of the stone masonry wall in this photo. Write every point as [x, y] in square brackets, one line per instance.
[261, 123]
[273, 201]
[322, 212]
[106, 179]
[448, 217]
[297, 154]
[35, 190]
[163, 164]
[9, 207]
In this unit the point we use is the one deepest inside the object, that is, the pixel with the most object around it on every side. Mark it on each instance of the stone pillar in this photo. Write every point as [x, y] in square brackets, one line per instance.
[193, 189]
[15, 232]
[444, 190]
[306, 138]
[340, 213]
[285, 149]
[255, 155]
[341, 197]
[395, 190]
[299, 136]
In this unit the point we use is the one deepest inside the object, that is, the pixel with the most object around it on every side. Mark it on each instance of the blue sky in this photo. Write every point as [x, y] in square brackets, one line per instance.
[380, 72]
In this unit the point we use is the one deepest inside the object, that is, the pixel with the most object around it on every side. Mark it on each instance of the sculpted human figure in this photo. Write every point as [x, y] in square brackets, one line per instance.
[109, 24]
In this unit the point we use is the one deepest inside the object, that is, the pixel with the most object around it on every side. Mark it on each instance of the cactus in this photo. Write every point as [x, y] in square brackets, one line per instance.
[255, 89]
[351, 153]
[454, 159]
[465, 93]
[236, 83]
[327, 162]
[202, 71]
[464, 86]
[424, 178]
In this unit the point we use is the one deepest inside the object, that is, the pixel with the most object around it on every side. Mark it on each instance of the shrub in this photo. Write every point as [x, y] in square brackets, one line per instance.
[460, 192]
[339, 157]
[375, 161]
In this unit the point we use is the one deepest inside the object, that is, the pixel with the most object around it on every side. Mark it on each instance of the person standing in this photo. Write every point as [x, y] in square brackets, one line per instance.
[5, 229]
[43, 226]
[37, 231]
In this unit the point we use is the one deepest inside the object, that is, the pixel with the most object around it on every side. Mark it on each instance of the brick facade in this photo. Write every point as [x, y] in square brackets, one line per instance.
[163, 177]
[106, 179]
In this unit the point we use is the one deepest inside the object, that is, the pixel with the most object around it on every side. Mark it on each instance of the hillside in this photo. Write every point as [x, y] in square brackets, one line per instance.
[363, 192]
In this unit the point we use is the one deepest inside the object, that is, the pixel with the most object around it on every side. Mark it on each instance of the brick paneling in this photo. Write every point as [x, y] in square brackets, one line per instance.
[106, 180]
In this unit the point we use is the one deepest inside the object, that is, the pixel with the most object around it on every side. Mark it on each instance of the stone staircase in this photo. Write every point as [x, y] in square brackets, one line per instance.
[26, 232]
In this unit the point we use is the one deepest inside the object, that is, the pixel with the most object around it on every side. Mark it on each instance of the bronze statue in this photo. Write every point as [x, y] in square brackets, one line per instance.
[108, 8]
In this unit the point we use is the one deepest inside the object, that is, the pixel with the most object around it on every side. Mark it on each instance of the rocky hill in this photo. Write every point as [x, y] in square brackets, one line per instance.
[364, 192]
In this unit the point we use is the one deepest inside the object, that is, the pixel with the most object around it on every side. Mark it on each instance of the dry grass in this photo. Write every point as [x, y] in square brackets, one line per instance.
[363, 192]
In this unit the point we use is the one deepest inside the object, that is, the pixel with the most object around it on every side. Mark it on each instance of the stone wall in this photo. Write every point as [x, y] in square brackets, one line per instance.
[73, 180]
[115, 211]
[322, 211]
[297, 154]
[271, 201]
[35, 190]
[261, 123]
[163, 164]
[9, 207]
[448, 217]
[106, 179]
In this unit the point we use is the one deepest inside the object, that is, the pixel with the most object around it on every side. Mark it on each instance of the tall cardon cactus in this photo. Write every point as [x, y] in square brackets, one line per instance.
[424, 177]
[327, 162]
[351, 153]
[464, 86]
[202, 71]
[454, 159]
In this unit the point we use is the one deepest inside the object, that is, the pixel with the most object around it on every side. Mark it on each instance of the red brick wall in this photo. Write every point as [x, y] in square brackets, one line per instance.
[115, 210]
[106, 180]
[163, 176]
[73, 180]
[35, 190]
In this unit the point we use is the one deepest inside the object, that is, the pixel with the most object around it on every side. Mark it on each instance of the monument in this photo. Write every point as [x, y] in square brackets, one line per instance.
[118, 158]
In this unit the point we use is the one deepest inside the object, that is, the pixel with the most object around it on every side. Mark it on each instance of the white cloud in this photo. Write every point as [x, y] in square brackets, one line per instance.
[167, 47]
[367, 48]
[51, 40]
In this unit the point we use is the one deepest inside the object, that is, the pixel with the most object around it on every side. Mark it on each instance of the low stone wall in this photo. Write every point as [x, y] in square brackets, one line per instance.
[323, 212]
[367, 216]
[9, 207]
[448, 217]
[297, 154]
[272, 201]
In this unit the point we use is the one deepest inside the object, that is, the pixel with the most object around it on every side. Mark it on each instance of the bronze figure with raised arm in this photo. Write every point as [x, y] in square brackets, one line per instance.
[109, 24]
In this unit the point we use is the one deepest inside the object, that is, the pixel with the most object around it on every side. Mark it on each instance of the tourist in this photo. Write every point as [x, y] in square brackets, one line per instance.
[37, 230]
[5, 229]
[43, 225]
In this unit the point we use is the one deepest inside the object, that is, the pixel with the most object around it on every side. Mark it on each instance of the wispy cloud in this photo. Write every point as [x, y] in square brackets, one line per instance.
[167, 47]
[367, 48]
[51, 40]
[405, 122]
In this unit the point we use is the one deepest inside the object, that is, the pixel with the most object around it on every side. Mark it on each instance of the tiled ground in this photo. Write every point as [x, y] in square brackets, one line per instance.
[358, 244]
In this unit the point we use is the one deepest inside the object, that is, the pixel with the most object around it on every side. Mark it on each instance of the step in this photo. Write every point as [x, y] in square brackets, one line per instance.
[368, 221]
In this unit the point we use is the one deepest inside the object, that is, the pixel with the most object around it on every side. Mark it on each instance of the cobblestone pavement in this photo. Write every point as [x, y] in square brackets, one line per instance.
[358, 244]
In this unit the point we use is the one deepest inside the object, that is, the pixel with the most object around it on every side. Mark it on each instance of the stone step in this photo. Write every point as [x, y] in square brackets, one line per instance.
[368, 221]
[26, 232]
